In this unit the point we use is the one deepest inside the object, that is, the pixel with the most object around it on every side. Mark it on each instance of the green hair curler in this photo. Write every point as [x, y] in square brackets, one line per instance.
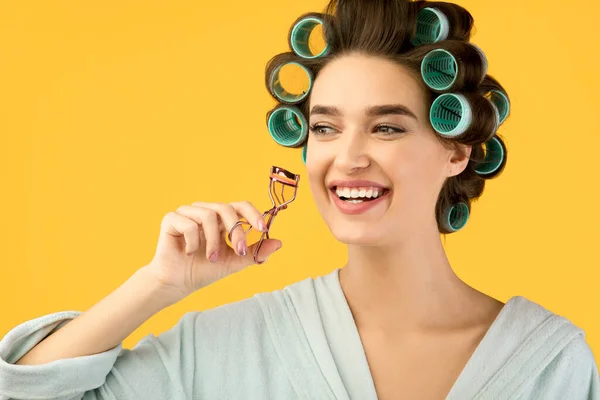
[300, 35]
[494, 158]
[432, 26]
[484, 60]
[439, 69]
[455, 217]
[451, 115]
[304, 149]
[287, 126]
[283, 95]
[500, 100]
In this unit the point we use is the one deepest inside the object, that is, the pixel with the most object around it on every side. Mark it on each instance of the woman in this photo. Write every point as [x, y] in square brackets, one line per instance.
[388, 175]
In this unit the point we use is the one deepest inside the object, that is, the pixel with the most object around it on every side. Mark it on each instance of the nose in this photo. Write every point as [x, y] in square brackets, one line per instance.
[352, 152]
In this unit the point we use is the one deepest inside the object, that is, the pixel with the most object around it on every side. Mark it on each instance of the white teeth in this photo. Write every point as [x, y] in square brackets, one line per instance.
[358, 193]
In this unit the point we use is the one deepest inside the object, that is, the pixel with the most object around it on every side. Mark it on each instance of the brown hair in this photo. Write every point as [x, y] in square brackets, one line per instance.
[386, 28]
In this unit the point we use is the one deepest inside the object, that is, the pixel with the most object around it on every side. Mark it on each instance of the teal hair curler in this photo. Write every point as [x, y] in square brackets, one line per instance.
[304, 149]
[451, 115]
[287, 126]
[432, 26]
[283, 95]
[495, 154]
[497, 114]
[500, 100]
[439, 69]
[484, 60]
[300, 35]
[455, 217]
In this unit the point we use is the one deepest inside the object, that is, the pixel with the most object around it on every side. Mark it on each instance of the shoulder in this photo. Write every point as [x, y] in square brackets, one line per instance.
[572, 374]
[573, 365]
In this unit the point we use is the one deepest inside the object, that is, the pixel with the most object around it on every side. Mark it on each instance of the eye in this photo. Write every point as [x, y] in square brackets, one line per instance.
[320, 129]
[388, 130]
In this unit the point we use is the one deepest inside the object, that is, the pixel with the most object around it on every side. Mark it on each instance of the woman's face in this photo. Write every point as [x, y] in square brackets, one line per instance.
[370, 136]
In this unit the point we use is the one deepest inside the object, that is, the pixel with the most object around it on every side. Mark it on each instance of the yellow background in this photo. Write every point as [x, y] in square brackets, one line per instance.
[114, 113]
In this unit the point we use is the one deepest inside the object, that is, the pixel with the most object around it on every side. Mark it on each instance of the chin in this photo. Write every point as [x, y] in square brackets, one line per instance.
[358, 234]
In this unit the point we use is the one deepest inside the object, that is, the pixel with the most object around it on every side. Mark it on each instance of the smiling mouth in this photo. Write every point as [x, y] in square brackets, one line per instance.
[360, 194]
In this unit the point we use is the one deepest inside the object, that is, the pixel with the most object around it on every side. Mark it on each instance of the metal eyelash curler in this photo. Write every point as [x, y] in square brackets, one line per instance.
[287, 180]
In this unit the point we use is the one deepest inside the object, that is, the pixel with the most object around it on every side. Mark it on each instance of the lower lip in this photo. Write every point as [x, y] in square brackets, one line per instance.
[356, 208]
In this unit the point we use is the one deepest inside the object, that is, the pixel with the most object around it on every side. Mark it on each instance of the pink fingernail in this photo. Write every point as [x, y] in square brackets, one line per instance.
[261, 226]
[213, 257]
[241, 248]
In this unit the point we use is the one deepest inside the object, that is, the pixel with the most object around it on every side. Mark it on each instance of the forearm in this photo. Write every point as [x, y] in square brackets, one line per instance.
[104, 325]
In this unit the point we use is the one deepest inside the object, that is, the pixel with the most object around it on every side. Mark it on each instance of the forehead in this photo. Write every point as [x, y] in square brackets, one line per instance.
[354, 82]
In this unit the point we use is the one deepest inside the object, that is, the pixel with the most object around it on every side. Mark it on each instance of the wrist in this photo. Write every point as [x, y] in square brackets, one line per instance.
[162, 294]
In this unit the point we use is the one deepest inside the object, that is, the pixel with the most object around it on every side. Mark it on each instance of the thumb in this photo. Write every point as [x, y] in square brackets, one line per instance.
[268, 247]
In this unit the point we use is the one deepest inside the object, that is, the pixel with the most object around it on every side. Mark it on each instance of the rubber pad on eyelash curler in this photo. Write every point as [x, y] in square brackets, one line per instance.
[455, 217]
[300, 36]
[451, 115]
[287, 126]
[432, 26]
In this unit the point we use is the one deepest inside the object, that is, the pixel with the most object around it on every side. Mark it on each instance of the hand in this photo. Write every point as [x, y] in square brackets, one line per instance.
[192, 252]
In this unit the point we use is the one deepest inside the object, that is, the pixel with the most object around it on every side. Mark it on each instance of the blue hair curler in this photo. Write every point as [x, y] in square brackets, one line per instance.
[494, 157]
[451, 115]
[432, 26]
[281, 93]
[500, 100]
[304, 149]
[439, 69]
[300, 35]
[455, 217]
[287, 126]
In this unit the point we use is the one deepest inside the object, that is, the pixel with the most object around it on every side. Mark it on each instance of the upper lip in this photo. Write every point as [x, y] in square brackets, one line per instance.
[355, 183]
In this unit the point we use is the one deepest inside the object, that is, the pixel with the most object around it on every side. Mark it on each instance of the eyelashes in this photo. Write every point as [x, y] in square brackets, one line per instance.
[316, 129]
[384, 129]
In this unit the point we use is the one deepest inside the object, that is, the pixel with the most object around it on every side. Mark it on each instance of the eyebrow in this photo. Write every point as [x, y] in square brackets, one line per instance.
[373, 111]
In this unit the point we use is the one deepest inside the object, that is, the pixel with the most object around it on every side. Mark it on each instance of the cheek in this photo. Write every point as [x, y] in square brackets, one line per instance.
[316, 168]
[414, 168]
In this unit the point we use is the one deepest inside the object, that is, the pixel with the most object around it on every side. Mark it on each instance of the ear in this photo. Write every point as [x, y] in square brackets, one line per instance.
[458, 159]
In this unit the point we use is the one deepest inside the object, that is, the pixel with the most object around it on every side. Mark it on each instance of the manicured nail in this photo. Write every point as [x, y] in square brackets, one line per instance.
[241, 248]
[213, 257]
[262, 226]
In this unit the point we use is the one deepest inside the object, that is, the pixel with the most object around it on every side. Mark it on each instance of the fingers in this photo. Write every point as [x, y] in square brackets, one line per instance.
[209, 217]
[251, 213]
[229, 218]
[268, 247]
[230, 214]
[207, 221]
[178, 225]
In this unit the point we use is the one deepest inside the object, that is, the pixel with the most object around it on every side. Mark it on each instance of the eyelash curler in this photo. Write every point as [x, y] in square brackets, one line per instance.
[286, 179]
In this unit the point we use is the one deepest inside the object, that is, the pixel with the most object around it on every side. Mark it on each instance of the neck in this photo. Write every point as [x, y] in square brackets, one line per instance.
[404, 285]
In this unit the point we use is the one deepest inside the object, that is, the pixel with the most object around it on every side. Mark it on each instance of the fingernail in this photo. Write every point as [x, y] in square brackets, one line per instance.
[261, 226]
[213, 257]
[241, 248]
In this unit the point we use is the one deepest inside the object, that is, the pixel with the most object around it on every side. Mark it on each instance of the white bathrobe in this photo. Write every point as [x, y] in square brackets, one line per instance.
[300, 342]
